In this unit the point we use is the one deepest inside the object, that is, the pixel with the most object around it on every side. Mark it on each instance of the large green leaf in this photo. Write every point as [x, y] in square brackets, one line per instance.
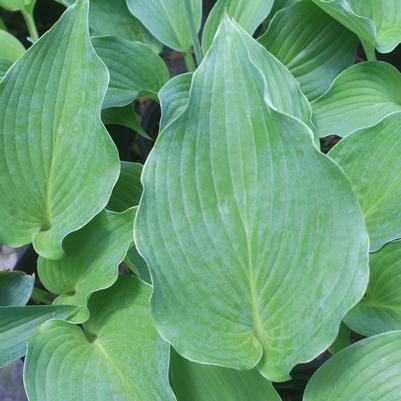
[377, 23]
[366, 371]
[360, 97]
[58, 164]
[241, 209]
[19, 323]
[93, 255]
[17, 5]
[311, 44]
[4, 66]
[15, 288]
[121, 357]
[371, 158]
[194, 382]
[173, 22]
[128, 190]
[10, 47]
[248, 14]
[135, 70]
[380, 310]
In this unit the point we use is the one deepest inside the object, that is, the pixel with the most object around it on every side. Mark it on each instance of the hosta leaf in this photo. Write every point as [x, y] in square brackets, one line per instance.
[174, 98]
[137, 265]
[360, 97]
[311, 44]
[380, 310]
[128, 190]
[368, 370]
[377, 23]
[15, 288]
[91, 262]
[248, 14]
[343, 339]
[371, 159]
[19, 323]
[4, 66]
[58, 164]
[17, 5]
[135, 70]
[194, 382]
[170, 21]
[10, 47]
[120, 357]
[240, 208]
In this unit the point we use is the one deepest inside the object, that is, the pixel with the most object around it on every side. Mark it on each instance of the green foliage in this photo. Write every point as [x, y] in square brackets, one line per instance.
[194, 241]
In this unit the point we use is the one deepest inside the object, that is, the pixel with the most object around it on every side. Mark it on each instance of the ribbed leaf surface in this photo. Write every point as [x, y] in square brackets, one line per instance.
[15, 288]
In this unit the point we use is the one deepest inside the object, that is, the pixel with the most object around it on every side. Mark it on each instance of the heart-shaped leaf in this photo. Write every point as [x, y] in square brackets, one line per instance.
[15, 288]
[368, 370]
[173, 22]
[58, 165]
[91, 262]
[135, 70]
[371, 158]
[240, 208]
[195, 382]
[10, 47]
[360, 97]
[120, 357]
[248, 14]
[311, 44]
[18, 324]
[380, 310]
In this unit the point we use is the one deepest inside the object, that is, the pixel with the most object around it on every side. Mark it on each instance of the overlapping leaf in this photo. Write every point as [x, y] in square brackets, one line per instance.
[120, 357]
[171, 21]
[194, 382]
[371, 158]
[360, 97]
[368, 370]
[17, 5]
[248, 14]
[134, 68]
[58, 164]
[240, 208]
[311, 44]
[10, 47]
[91, 262]
[15, 288]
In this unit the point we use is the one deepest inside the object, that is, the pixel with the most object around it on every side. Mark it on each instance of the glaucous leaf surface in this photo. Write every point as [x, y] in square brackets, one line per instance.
[10, 47]
[371, 159]
[195, 382]
[241, 209]
[128, 190]
[311, 44]
[360, 97]
[248, 14]
[135, 70]
[15, 288]
[92, 257]
[52, 139]
[368, 370]
[19, 323]
[170, 21]
[377, 23]
[118, 356]
[380, 310]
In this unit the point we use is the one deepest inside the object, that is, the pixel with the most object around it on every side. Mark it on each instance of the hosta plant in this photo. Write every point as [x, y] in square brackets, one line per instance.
[256, 254]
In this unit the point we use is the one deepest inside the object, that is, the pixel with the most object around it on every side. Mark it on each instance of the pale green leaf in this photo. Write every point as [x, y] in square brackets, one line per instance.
[135, 70]
[380, 310]
[15, 288]
[4, 67]
[170, 21]
[241, 209]
[58, 165]
[377, 23]
[92, 257]
[19, 323]
[121, 357]
[371, 158]
[195, 382]
[17, 5]
[10, 47]
[361, 96]
[248, 14]
[128, 190]
[311, 44]
[367, 371]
